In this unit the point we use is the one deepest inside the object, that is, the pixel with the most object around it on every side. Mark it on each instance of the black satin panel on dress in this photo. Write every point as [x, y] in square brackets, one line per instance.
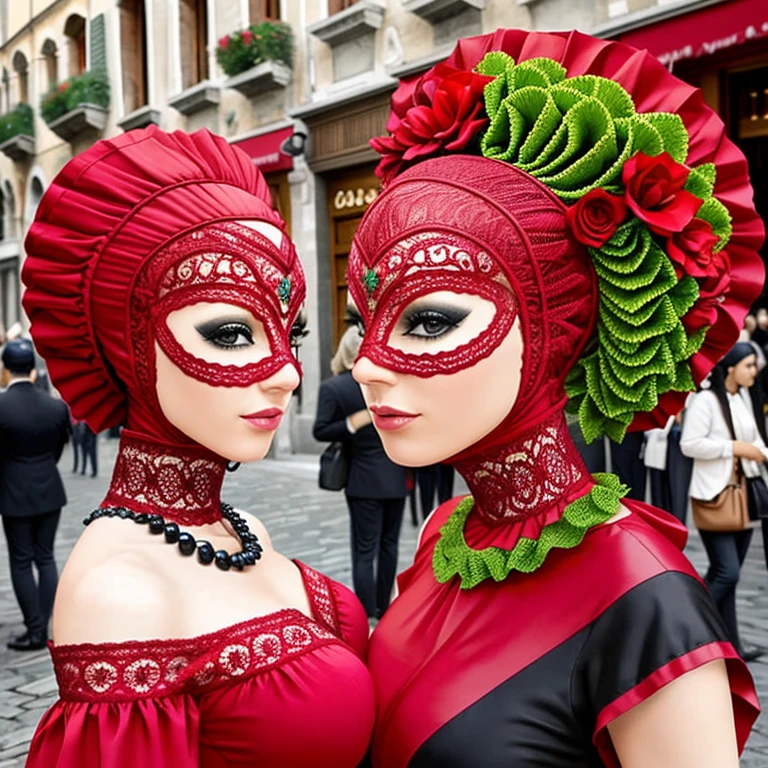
[544, 716]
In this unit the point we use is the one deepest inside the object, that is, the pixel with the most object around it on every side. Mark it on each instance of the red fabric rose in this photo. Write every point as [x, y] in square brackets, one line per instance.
[691, 249]
[595, 217]
[654, 191]
[712, 291]
[224, 42]
[447, 112]
[246, 37]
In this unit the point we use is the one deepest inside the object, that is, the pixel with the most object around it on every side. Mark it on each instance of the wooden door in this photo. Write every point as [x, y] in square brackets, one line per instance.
[349, 194]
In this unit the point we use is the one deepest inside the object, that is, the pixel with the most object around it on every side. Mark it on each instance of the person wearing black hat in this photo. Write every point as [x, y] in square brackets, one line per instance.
[34, 428]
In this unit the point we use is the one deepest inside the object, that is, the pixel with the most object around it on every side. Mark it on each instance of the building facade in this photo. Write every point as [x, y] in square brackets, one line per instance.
[319, 90]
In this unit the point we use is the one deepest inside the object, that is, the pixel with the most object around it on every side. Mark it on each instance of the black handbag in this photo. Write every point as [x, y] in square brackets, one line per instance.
[334, 467]
[757, 496]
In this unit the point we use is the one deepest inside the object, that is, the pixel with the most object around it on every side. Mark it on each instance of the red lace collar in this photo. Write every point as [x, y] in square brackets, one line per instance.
[524, 485]
[181, 483]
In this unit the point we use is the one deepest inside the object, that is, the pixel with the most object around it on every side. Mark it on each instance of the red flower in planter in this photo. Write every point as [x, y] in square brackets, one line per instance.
[595, 217]
[445, 114]
[224, 42]
[654, 192]
[246, 37]
[691, 250]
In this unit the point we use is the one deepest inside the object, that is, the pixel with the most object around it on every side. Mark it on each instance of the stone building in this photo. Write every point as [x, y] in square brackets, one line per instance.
[306, 121]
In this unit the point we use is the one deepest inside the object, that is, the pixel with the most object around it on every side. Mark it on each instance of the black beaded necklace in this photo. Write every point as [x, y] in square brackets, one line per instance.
[248, 555]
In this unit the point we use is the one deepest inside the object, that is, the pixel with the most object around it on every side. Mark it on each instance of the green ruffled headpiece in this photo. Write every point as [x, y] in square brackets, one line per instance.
[575, 135]
[653, 228]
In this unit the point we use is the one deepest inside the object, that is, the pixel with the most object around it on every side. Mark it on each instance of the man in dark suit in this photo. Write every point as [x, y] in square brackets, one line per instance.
[34, 428]
[375, 488]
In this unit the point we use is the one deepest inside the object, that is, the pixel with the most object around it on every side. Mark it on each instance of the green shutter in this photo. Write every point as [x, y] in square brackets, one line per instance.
[99, 43]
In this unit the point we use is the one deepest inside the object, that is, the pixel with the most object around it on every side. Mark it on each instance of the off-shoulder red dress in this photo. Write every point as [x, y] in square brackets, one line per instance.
[278, 690]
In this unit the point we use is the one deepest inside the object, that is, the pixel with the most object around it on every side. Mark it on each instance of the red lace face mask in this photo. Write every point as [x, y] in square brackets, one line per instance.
[385, 285]
[225, 262]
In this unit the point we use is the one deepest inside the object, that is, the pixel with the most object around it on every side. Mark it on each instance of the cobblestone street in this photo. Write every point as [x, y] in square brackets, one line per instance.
[303, 522]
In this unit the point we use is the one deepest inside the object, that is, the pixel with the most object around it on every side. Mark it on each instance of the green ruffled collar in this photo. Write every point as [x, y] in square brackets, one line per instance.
[454, 557]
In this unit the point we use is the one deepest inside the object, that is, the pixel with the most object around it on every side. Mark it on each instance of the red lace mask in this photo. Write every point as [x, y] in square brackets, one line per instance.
[418, 265]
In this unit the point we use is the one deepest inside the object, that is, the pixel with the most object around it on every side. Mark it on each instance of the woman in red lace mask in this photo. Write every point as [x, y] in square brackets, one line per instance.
[561, 220]
[162, 289]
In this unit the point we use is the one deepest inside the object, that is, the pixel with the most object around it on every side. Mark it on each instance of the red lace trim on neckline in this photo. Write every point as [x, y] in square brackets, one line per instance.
[526, 478]
[135, 669]
[181, 483]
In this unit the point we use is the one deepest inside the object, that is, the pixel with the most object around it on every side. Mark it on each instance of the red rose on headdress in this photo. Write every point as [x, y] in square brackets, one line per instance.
[446, 113]
[654, 191]
[594, 218]
[711, 293]
[691, 249]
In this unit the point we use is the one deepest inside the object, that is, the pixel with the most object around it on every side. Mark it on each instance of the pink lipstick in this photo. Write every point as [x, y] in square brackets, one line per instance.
[268, 419]
[387, 418]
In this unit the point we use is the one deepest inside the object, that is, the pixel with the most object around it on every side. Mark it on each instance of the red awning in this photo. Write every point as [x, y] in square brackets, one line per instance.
[702, 32]
[265, 152]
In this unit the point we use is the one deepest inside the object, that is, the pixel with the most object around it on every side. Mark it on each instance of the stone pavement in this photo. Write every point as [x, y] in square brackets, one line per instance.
[303, 522]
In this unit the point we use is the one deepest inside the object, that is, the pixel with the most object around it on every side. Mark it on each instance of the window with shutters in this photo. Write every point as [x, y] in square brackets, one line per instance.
[21, 68]
[334, 6]
[193, 25]
[264, 10]
[50, 56]
[133, 53]
[74, 31]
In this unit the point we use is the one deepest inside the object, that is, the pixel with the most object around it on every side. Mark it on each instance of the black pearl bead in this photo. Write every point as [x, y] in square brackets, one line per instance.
[172, 533]
[222, 559]
[236, 561]
[249, 558]
[96, 514]
[156, 524]
[257, 554]
[187, 544]
[123, 513]
[109, 511]
[141, 518]
[205, 553]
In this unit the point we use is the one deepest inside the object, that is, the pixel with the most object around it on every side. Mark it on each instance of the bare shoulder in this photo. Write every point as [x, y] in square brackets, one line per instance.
[108, 593]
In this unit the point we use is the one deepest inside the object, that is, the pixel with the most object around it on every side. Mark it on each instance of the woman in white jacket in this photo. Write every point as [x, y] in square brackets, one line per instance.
[720, 428]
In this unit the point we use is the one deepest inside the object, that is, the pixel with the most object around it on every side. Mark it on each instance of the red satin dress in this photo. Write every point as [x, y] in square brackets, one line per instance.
[277, 691]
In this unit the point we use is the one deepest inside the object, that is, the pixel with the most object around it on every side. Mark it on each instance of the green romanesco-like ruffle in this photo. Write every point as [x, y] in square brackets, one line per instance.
[454, 557]
[574, 134]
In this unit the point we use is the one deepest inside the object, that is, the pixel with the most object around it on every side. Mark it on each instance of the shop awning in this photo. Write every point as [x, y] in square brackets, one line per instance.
[265, 152]
[702, 32]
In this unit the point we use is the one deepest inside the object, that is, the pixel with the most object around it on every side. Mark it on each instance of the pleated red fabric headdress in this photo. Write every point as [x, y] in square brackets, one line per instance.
[132, 229]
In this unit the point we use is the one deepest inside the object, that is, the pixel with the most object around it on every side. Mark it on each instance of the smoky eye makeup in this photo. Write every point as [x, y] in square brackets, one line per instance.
[226, 333]
[432, 321]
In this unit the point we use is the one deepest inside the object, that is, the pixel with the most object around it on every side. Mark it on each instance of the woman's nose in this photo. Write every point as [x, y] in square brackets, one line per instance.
[365, 371]
[286, 379]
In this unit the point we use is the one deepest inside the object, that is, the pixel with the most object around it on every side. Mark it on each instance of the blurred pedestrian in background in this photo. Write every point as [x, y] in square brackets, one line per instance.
[375, 489]
[436, 479]
[34, 428]
[720, 433]
[88, 448]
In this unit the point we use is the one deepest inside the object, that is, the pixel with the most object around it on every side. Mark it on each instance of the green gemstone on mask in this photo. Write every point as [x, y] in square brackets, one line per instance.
[284, 291]
[370, 281]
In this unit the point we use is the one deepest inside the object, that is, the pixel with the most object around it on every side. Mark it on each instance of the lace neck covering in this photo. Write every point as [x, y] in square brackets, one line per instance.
[181, 483]
[538, 470]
